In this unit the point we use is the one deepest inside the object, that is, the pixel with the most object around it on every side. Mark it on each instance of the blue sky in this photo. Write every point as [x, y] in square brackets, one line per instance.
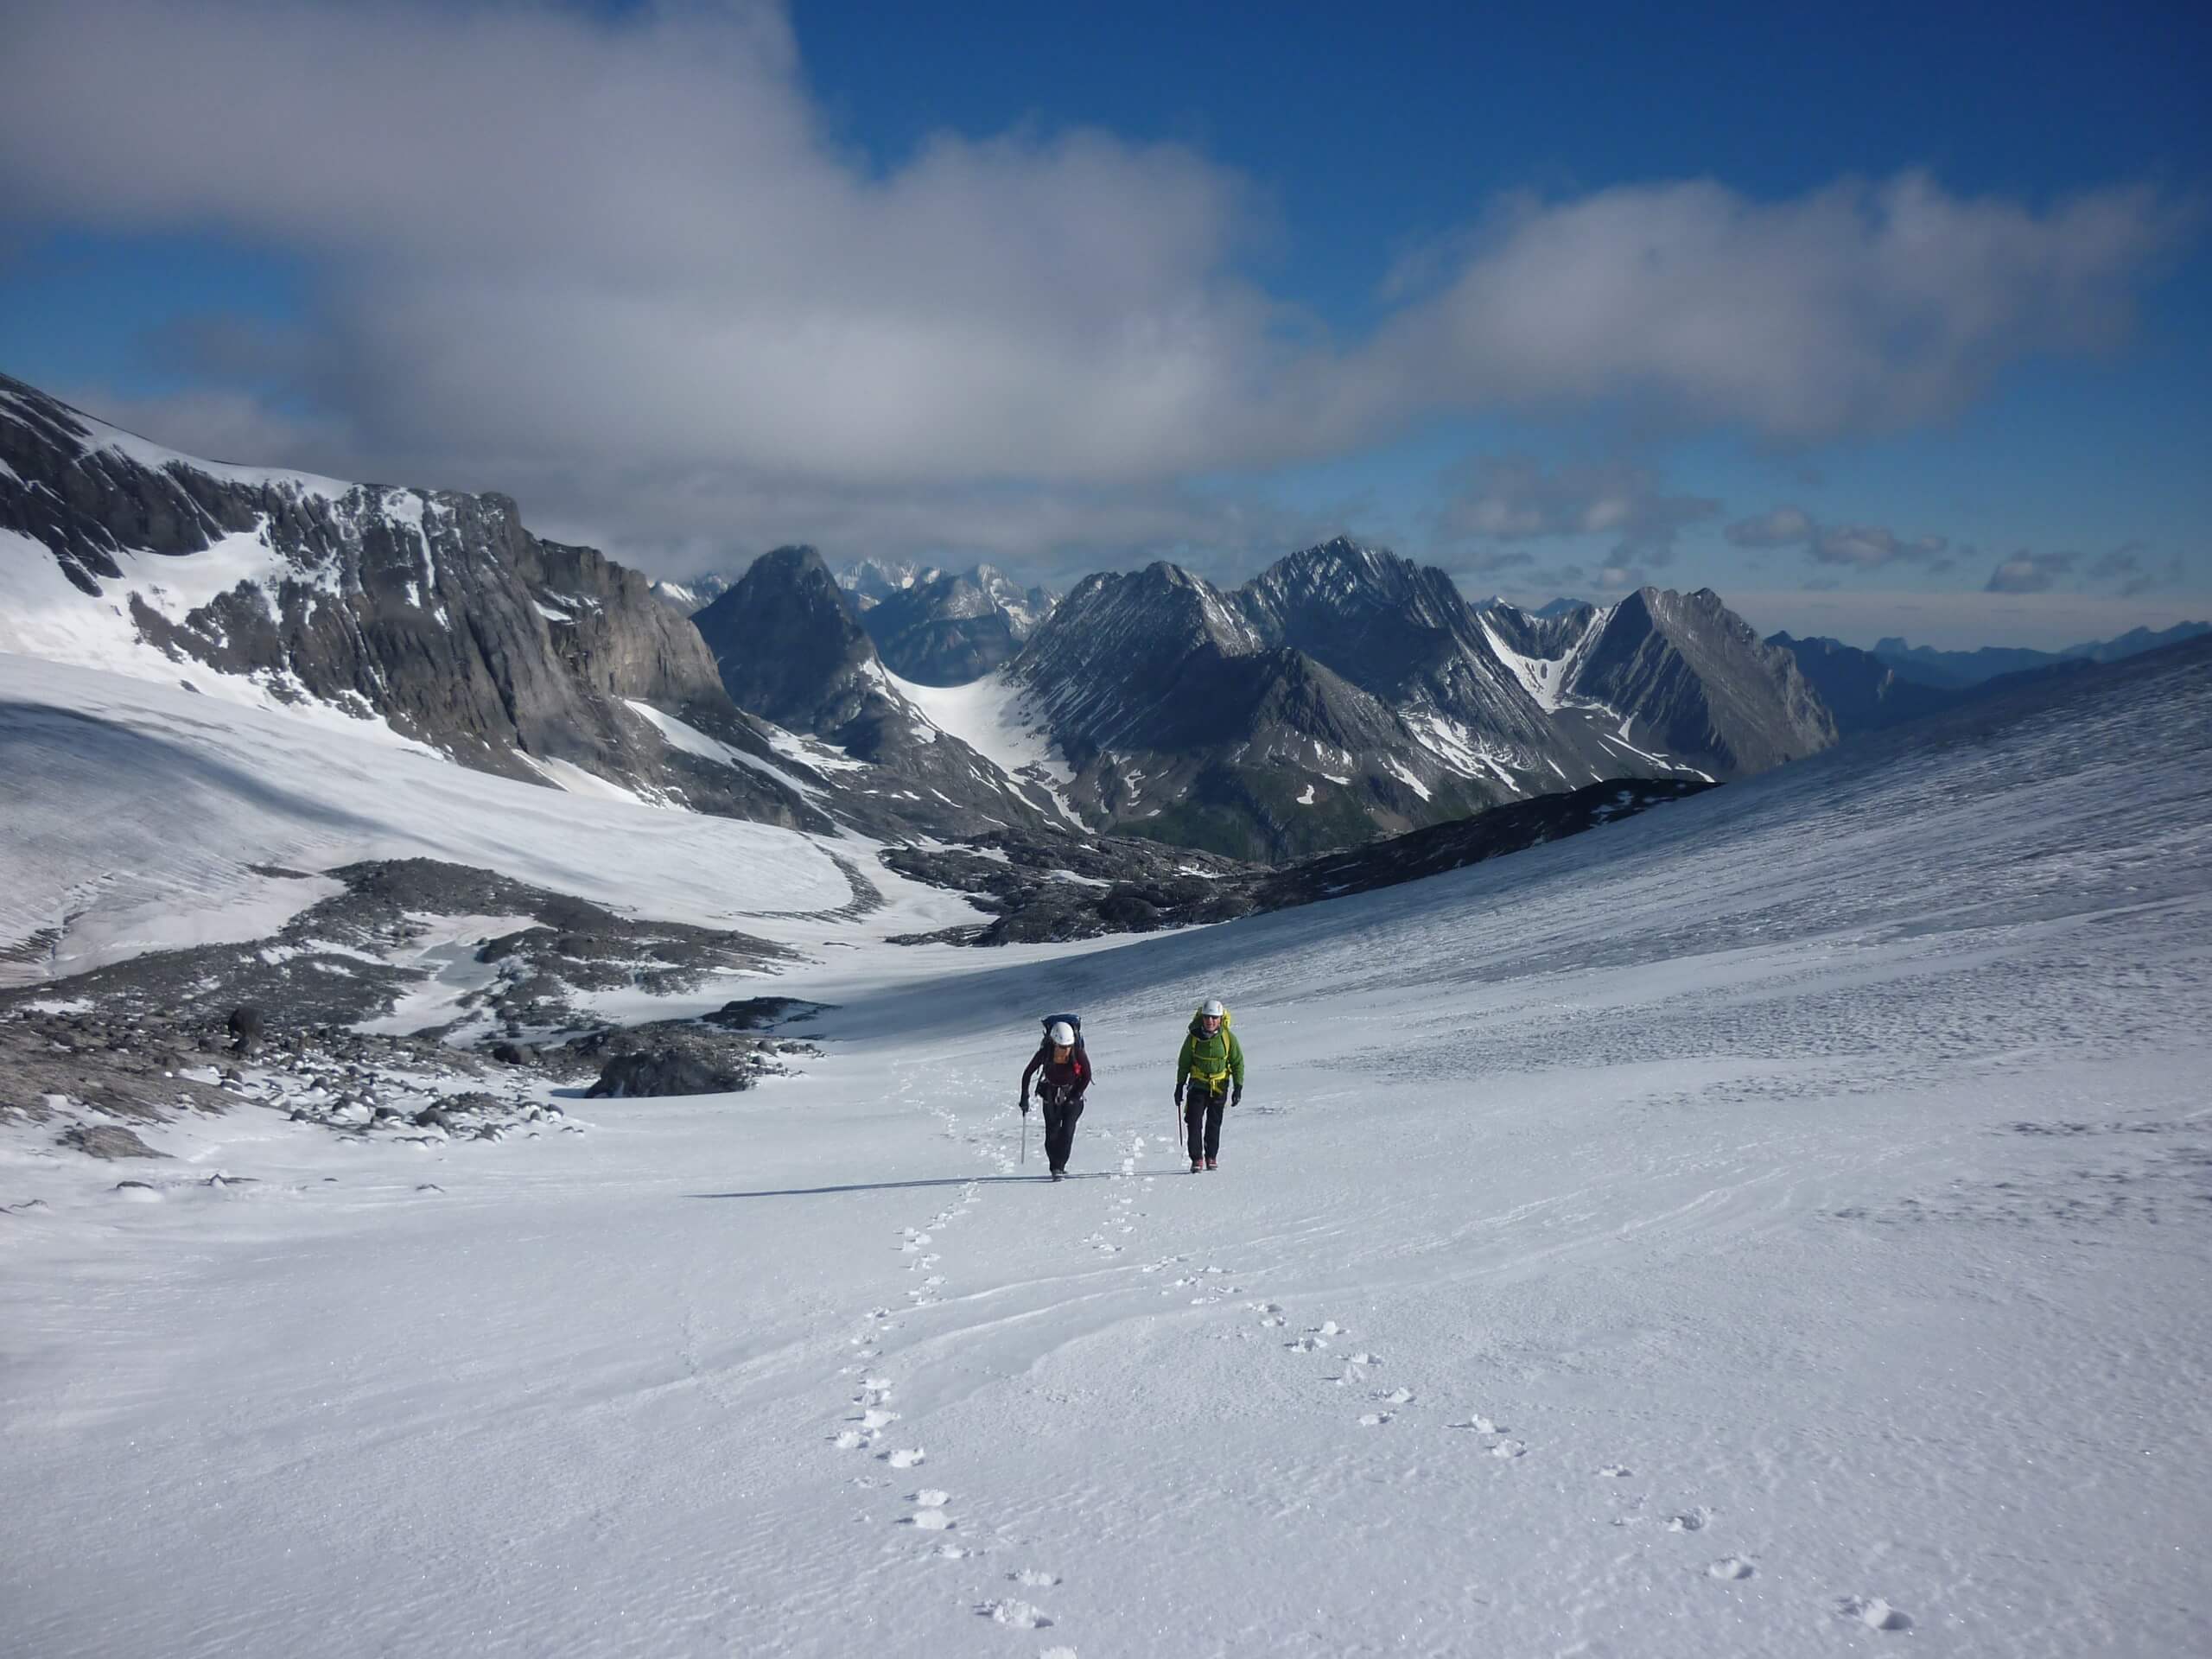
[1855, 320]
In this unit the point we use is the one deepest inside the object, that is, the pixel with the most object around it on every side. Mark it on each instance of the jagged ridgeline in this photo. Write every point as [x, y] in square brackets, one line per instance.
[438, 616]
[944, 628]
[1347, 693]
[434, 613]
[1343, 694]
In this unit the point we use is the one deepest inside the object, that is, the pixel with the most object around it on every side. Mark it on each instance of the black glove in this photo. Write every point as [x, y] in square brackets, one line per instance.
[1238, 1098]
[1025, 1105]
[1179, 1094]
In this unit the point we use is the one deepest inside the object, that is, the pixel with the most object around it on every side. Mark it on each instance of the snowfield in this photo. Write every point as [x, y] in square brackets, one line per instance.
[140, 815]
[1773, 1225]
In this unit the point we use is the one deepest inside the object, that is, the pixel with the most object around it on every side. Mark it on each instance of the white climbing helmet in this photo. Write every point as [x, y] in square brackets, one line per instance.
[1214, 1010]
[1061, 1033]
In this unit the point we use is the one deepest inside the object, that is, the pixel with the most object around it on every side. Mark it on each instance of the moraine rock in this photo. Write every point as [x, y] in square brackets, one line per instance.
[107, 1140]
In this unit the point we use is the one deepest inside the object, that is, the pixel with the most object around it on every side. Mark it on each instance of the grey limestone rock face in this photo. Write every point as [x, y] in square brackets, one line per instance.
[1343, 693]
[787, 645]
[107, 1140]
[435, 611]
[791, 651]
[1862, 692]
[1693, 678]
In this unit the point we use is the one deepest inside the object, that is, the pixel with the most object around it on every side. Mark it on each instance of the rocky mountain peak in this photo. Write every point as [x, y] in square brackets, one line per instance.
[950, 628]
[1339, 575]
[1696, 681]
[435, 613]
[787, 645]
[872, 581]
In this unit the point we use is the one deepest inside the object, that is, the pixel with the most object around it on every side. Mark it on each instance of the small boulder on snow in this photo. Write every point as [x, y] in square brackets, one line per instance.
[107, 1140]
[247, 1026]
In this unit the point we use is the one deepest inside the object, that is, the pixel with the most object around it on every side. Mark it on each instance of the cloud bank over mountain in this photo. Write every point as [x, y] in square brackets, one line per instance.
[630, 271]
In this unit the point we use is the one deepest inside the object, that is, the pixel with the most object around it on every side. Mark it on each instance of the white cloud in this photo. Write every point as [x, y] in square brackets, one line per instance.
[2029, 573]
[1869, 547]
[2124, 571]
[1861, 308]
[1857, 547]
[623, 271]
[1515, 499]
[1782, 527]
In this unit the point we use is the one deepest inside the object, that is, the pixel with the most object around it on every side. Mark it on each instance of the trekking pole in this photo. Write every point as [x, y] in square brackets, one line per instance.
[1024, 1134]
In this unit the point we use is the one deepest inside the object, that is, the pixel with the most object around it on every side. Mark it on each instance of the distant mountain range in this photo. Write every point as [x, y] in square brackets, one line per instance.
[1344, 694]
[1872, 690]
[1928, 666]
[1863, 691]
[792, 652]
[933, 627]
[939, 627]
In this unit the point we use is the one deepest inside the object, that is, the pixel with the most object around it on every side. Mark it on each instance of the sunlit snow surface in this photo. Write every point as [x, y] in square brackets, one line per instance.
[137, 815]
[992, 716]
[1778, 1223]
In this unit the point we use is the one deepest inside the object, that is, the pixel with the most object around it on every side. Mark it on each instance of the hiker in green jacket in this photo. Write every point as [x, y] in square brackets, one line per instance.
[1208, 1078]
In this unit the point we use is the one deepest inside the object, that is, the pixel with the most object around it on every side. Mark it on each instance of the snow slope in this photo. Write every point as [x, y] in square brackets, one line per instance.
[1774, 1226]
[993, 716]
[42, 614]
[138, 815]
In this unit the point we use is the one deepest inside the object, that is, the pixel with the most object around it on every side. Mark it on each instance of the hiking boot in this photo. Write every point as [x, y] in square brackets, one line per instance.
[1209, 1163]
[1197, 1164]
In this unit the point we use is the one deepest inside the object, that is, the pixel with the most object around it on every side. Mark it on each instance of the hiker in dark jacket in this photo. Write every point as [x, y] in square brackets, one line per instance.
[1063, 1072]
[1209, 1079]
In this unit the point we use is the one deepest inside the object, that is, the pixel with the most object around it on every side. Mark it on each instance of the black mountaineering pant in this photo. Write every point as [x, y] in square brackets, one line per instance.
[1061, 1114]
[1202, 1121]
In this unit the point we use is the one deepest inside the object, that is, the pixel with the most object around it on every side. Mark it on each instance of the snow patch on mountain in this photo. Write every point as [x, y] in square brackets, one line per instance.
[566, 775]
[694, 741]
[43, 614]
[809, 752]
[996, 717]
[1399, 770]
[1461, 749]
[1549, 680]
